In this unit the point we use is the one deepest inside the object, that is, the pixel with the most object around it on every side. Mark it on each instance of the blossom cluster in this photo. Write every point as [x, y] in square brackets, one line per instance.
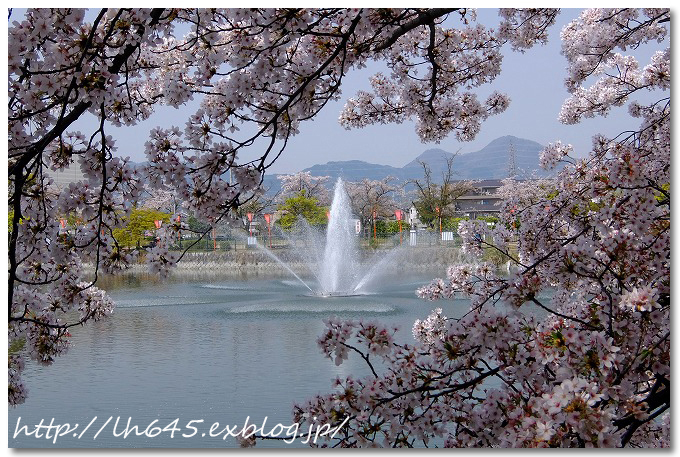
[313, 186]
[576, 334]
[370, 196]
[258, 73]
[433, 71]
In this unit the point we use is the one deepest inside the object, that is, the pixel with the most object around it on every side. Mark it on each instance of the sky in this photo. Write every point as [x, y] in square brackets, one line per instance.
[533, 80]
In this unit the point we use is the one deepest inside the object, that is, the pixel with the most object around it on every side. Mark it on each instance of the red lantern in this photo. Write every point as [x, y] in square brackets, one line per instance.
[398, 214]
[250, 224]
[268, 218]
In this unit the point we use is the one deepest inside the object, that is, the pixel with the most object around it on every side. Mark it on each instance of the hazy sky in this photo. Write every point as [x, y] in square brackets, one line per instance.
[533, 80]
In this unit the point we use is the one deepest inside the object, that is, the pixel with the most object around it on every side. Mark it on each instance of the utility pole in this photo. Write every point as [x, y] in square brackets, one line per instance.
[512, 162]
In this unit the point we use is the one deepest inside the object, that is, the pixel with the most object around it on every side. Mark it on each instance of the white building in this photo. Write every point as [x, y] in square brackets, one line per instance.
[66, 176]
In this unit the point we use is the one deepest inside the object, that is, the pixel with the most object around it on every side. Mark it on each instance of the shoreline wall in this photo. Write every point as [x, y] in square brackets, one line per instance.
[402, 259]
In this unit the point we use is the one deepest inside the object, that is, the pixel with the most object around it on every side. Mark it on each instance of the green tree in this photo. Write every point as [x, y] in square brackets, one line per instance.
[302, 205]
[197, 225]
[386, 227]
[450, 224]
[139, 221]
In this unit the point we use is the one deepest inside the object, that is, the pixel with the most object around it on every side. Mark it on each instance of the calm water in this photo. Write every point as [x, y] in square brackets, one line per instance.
[217, 350]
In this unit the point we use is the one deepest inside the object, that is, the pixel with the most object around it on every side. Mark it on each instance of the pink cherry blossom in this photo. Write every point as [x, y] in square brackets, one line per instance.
[576, 337]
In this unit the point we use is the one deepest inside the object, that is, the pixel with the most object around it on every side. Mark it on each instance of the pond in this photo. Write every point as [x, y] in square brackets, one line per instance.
[214, 348]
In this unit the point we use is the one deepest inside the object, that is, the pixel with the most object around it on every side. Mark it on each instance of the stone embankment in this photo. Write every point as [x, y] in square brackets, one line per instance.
[254, 261]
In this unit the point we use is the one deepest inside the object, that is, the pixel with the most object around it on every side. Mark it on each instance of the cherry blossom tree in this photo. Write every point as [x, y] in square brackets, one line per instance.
[256, 74]
[160, 200]
[572, 348]
[373, 196]
[314, 187]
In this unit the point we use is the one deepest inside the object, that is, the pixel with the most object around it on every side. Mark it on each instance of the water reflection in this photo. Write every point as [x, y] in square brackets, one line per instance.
[218, 349]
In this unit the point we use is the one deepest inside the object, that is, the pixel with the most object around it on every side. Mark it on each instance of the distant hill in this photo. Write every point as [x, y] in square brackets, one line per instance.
[434, 158]
[354, 170]
[349, 170]
[490, 162]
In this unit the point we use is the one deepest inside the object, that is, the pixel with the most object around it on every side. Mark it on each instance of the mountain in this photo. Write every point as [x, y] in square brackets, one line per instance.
[490, 162]
[436, 159]
[354, 170]
[349, 170]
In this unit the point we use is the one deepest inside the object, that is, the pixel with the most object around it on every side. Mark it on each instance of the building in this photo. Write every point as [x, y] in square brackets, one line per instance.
[63, 178]
[482, 201]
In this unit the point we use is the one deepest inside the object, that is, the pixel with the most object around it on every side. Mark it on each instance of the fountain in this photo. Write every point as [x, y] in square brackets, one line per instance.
[336, 261]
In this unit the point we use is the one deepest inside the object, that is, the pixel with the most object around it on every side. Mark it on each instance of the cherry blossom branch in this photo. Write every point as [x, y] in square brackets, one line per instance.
[423, 18]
